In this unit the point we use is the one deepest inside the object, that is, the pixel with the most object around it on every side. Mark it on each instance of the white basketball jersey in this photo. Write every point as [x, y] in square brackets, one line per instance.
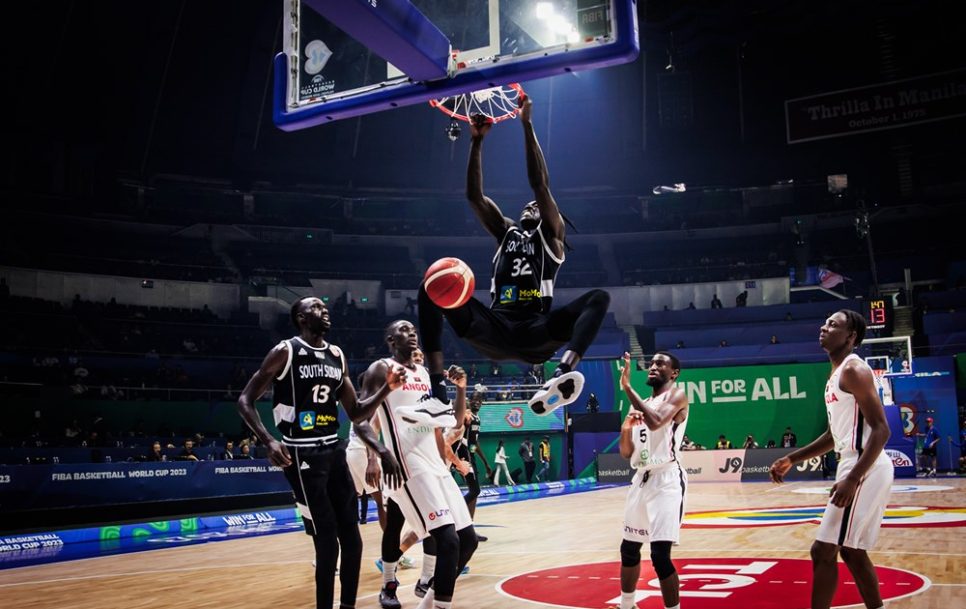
[654, 448]
[846, 422]
[355, 442]
[413, 445]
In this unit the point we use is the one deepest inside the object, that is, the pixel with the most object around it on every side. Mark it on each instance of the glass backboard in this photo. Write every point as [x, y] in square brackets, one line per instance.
[354, 57]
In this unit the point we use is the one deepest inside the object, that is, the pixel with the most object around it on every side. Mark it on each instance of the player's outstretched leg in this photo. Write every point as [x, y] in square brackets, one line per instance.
[578, 323]
[431, 333]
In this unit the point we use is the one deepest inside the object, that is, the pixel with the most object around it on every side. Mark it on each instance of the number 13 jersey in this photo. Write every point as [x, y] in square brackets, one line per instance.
[305, 400]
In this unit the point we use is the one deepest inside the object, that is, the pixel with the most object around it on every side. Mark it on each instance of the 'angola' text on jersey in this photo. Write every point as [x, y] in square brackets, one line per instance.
[524, 271]
[305, 402]
[413, 444]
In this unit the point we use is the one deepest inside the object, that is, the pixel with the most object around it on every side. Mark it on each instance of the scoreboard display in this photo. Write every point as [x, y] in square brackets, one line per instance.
[878, 314]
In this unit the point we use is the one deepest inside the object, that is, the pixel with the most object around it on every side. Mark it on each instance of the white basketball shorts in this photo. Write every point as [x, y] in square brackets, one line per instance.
[358, 460]
[857, 525]
[655, 505]
[429, 501]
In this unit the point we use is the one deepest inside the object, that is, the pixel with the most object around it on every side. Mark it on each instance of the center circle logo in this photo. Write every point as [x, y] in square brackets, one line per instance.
[706, 583]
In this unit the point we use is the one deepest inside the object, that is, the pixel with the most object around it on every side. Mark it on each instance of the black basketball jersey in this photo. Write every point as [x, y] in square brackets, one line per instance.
[306, 403]
[472, 432]
[524, 271]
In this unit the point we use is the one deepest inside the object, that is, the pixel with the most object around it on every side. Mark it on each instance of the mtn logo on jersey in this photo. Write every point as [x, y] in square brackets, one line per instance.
[307, 420]
[323, 419]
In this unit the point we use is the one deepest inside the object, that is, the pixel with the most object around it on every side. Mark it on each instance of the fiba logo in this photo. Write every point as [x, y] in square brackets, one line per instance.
[514, 418]
[317, 54]
[899, 458]
[907, 412]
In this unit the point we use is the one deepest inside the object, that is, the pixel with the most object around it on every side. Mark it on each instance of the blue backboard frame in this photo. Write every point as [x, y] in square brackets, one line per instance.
[624, 48]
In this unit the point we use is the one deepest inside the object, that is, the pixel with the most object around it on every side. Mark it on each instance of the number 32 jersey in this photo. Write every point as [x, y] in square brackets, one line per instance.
[524, 271]
[305, 402]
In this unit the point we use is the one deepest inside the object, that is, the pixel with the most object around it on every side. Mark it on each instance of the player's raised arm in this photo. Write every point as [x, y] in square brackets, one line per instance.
[553, 223]
[359, 411]
[626, 443]
[483, 206]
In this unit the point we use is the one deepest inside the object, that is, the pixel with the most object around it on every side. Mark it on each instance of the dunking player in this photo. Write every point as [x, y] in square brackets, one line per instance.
[651, 438]
[858, 431]
[310, 376]
[519, 323]
[428, 499]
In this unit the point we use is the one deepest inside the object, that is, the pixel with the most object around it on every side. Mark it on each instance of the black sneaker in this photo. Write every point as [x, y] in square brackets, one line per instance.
[482, 537]
[421, 588]
[558, 391]
[387, 596]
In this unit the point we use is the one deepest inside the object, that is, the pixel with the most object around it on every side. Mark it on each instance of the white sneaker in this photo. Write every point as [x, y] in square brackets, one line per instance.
[558, 391]
[407, 563]
[430, 412]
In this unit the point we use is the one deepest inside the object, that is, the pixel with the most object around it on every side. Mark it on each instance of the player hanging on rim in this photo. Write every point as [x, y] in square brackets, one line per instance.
[651, 437]
[310, 379]
[519, 323]
[429, 499]
[858, 431]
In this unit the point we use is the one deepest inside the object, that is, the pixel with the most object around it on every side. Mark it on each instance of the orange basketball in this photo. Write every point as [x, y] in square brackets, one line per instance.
[449, 283]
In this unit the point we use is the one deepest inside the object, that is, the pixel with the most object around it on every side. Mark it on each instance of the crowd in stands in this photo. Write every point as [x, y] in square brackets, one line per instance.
[788, 440]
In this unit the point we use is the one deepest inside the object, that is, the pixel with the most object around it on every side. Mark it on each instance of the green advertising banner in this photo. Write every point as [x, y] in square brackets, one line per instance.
[737, 401]
[517, 416]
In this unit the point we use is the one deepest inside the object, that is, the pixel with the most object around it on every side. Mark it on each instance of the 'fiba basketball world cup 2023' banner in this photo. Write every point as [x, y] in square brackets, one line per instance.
[889, 105]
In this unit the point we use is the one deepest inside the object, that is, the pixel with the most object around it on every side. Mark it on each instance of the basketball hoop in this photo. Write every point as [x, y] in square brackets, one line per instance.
[496, 103]
[884, 383]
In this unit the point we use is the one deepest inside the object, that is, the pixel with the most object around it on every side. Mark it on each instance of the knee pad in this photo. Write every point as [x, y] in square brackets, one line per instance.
[630, 553]
[661, 559]
[468, 541]
[447, 542]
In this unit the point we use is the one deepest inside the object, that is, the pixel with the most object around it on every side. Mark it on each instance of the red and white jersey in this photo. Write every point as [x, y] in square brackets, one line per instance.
[845, 420]
[655, 448]
[413, 445]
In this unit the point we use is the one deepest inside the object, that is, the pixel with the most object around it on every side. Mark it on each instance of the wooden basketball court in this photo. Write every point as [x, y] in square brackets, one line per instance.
[526, 536]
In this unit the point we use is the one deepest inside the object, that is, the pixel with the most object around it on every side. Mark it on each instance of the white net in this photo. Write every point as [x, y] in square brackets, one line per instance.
[496, 103]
